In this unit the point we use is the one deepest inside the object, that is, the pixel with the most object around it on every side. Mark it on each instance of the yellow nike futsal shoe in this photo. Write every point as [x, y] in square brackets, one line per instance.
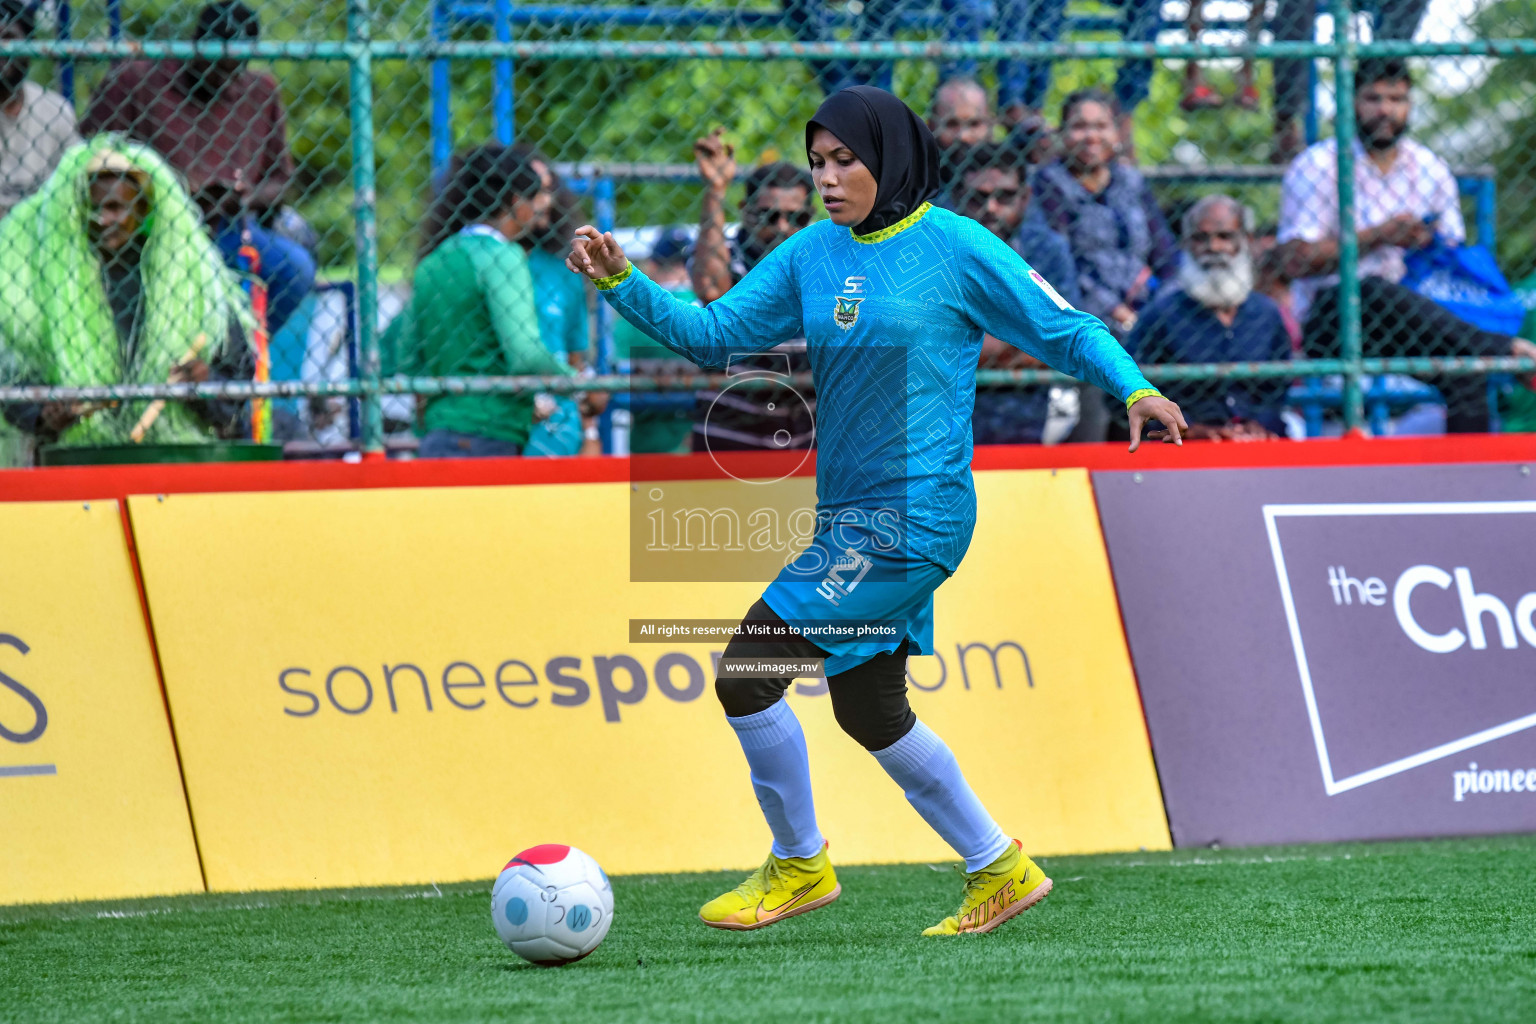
[1008, 886]
[780, 888]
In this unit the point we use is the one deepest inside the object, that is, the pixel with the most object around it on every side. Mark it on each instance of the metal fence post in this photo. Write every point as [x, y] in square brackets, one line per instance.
[62, 29]
[364, 178]
[605, 209]
[503, 96]
[442, 102]
[1349, 243]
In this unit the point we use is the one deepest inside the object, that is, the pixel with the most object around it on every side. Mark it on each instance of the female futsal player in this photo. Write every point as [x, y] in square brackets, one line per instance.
[893, 312]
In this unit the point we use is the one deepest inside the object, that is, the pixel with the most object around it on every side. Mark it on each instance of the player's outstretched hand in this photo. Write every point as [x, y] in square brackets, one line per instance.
[1156, 407]
[595, 254]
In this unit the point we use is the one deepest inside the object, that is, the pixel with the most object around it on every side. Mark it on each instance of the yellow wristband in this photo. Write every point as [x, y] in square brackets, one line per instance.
[604, 284]
[1137, 396]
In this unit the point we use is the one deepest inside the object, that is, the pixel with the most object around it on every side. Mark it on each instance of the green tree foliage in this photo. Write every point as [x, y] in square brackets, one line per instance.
[651, 111]
[1491, 123]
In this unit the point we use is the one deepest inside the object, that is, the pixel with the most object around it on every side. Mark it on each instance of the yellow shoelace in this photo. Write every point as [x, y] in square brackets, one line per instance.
[975, 883]
[761, 881]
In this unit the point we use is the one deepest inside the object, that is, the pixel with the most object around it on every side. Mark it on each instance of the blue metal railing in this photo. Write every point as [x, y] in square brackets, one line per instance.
[64, 27]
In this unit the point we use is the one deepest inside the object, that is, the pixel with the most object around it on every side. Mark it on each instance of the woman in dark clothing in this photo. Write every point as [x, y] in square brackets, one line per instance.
[1119, 238]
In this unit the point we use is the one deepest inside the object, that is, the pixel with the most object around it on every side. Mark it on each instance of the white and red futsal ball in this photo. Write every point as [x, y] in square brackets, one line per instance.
[552, 904]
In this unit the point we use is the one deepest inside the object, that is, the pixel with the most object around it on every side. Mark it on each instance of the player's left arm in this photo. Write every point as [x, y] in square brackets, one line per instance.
[1011, 301]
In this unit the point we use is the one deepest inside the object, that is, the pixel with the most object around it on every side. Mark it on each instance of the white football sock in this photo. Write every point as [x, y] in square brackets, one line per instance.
[781, 775]
[926, 770]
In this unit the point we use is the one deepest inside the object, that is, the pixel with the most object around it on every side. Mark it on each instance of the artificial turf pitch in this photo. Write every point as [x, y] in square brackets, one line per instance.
[1431, 931]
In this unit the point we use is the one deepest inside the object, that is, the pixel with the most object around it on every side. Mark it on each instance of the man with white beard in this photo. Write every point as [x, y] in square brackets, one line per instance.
[1213, 315]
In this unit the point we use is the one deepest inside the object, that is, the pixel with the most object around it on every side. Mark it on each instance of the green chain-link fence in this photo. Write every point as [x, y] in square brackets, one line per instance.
[260, 189]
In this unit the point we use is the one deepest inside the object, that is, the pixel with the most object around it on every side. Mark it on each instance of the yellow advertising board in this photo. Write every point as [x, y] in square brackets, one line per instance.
[91, 804]
[398, 686]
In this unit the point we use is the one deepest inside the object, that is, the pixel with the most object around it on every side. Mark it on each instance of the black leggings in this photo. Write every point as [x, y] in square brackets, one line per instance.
[1397, 321]
[869, 700]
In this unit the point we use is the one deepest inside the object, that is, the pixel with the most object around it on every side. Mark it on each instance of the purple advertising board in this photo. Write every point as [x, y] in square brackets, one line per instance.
[1332, 653]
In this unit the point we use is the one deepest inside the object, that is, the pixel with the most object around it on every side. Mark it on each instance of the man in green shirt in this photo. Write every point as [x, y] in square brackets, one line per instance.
[472, 308]
[561, 299]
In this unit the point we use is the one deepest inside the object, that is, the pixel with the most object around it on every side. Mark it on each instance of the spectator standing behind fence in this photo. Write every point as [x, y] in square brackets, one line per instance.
[472, 311]
[815, 21]
[225, 128]
[106, 277]
[1022, 85]
[1405, 196]
[1215, 316]
[1133, 81]
[994, 191]
[1198, 93]
[36, 125]
[564, 314]
[877, 21]
[1120, 241]
[1295, 21]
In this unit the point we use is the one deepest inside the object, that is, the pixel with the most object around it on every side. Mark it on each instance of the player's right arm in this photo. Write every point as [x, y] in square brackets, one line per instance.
[762, 310]
[1010, 301]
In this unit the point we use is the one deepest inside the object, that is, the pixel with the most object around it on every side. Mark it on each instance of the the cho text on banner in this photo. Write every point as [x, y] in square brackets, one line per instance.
[1351, 654]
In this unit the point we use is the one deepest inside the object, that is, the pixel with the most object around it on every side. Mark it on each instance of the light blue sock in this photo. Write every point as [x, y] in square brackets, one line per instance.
[781, 775]
[928, 773]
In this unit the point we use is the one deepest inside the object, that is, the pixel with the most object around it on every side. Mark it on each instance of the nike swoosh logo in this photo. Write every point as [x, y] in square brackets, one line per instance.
[763, 913]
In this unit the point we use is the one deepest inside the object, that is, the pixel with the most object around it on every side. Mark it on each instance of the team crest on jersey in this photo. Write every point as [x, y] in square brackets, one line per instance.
[845, 313]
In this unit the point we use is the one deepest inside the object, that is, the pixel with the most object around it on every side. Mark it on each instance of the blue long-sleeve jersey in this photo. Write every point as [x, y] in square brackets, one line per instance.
[893, 324]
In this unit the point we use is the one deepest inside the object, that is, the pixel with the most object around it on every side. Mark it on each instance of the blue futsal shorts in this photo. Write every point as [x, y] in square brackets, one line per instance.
[854, 598]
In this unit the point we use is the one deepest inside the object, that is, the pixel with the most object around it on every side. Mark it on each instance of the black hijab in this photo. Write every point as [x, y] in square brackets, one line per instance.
[893, 143]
